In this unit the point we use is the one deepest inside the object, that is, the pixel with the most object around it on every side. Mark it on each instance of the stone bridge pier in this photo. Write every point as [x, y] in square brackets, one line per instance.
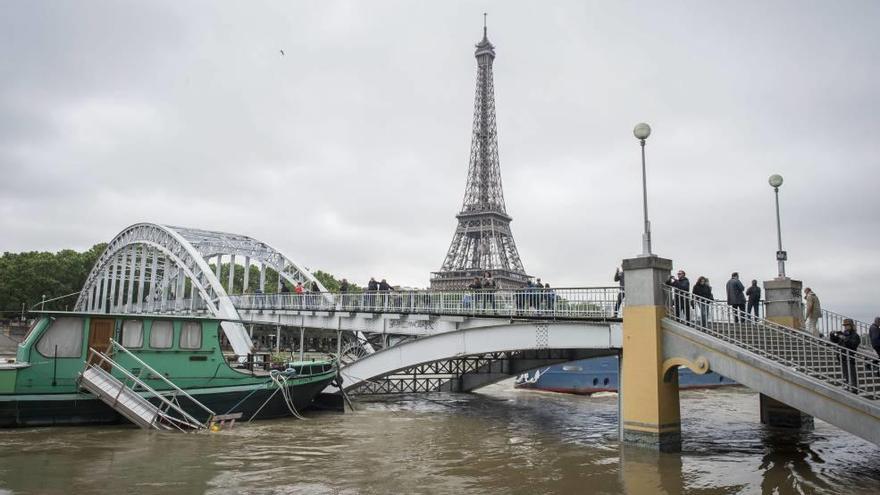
[649, 408]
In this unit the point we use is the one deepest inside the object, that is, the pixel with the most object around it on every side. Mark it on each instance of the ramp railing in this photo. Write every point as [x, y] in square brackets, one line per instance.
[839, 367]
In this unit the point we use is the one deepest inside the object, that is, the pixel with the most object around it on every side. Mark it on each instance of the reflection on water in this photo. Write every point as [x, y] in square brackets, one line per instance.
[499, 440]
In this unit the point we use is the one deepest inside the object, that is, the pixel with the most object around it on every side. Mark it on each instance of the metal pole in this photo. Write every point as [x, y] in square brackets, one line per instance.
[646, 237]
[781, 262]
[302, 343]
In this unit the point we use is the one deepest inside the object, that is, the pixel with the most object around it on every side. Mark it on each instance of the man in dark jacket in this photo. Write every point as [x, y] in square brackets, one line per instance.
[703, 290]
[344, 299]
[618, 277]
[736, 295]
[874, 335]
[849, 339]
[372, 287]
[754, 295]
[681, 304]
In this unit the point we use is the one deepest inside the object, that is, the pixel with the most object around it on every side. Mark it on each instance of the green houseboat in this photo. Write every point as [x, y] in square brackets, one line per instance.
[155, 371]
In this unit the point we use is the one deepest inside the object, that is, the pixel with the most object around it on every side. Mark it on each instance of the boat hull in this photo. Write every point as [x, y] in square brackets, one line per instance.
[79, 409]
[590, 376]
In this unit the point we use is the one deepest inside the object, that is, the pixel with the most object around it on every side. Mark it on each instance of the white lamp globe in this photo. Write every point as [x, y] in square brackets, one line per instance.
[775, 180]
[642, 131]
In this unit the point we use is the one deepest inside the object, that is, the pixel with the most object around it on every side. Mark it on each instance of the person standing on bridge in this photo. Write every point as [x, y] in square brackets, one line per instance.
[344, 287]
[489, 289]
[850, 340]
[703, 291]
[736, 296]
[874, 335]
[682, 304]
[474, 298]
[813, 311]
[754, 295]
[372, 287]
[618, 277]
[384, 288]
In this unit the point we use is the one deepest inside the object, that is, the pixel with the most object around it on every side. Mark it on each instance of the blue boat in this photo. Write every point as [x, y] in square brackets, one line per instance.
[589, 376]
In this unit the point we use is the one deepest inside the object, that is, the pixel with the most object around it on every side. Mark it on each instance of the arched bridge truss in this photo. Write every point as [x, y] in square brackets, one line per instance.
[150, 268]
[464, 360]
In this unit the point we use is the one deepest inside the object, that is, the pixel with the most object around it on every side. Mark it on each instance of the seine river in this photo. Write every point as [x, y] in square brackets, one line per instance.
[499, 440]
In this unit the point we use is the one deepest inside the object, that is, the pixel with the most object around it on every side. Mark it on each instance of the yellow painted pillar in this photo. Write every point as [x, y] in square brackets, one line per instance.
[784, 306]
[649, 405]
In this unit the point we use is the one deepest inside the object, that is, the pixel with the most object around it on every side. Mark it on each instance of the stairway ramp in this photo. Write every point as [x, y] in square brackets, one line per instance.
[130, 395]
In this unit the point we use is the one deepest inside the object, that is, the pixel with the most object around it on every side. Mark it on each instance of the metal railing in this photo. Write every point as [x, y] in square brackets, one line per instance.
[567, 303]
[829, 322]
[795, 349]
[832, 322]
[167, 403]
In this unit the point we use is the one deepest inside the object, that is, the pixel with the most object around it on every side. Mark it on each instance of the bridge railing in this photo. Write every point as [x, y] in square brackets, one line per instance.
[795, 349]
[583, 302]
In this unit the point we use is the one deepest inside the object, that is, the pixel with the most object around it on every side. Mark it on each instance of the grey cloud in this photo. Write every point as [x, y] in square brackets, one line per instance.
[350, 152]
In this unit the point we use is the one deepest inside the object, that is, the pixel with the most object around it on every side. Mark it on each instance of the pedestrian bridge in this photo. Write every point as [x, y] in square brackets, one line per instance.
[785, 364]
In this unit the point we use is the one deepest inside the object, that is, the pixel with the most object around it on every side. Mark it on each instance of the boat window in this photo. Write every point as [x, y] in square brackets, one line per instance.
[161, 335]
[132, 333]
[64, 335]
[191, 335]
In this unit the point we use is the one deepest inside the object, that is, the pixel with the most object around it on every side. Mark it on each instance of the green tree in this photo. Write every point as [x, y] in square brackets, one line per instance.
[26, 277]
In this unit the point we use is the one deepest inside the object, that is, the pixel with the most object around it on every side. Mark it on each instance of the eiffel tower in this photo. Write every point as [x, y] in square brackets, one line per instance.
[483, 241]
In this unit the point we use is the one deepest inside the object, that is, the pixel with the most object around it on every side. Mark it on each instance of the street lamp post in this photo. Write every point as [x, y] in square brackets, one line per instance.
[781, 256]
[641, 132]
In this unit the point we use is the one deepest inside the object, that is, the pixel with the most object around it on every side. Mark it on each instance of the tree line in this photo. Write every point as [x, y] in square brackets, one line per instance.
[26, 277]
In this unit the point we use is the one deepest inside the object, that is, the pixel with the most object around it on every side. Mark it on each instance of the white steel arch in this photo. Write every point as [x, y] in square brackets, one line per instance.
[149, 268]
[482, 340]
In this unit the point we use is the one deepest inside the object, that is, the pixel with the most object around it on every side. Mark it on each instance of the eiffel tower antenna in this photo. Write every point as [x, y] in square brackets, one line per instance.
[483, 241]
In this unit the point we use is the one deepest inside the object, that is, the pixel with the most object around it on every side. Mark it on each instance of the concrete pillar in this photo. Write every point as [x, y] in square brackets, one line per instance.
[783, 297]
[650, 415]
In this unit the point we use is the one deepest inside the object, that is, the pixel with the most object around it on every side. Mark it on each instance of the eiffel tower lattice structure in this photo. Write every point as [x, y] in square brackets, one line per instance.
[483, 241]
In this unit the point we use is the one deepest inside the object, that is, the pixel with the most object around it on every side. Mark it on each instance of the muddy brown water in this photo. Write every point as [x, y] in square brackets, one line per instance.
[499, 440]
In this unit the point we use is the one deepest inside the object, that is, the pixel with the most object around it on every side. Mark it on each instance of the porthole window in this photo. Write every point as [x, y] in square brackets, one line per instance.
[63, 338]
[191, 335]
[595, 381]
[161, 335]
[605, 381]
[133, 334]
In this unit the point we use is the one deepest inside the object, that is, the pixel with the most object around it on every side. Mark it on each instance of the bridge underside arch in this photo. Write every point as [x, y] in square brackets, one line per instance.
[468, 373]
[454, 359]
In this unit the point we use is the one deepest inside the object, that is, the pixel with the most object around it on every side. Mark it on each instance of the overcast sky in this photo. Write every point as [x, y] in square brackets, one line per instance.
[349, 153]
